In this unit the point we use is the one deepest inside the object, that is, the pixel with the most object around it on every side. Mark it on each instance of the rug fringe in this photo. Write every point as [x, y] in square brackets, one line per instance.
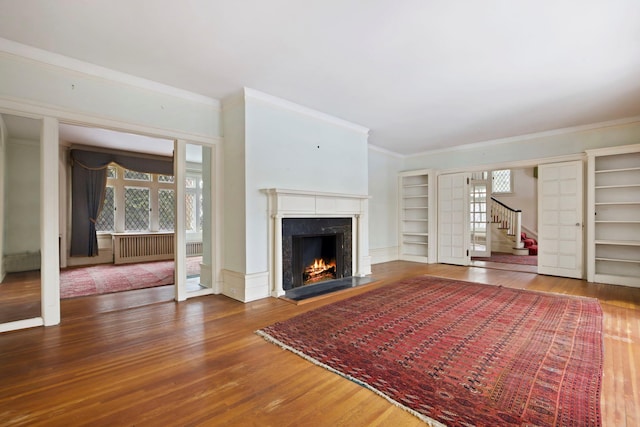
[430, 421]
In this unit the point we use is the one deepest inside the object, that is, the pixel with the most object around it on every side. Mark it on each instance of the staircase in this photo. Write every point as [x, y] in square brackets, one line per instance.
[508, 222]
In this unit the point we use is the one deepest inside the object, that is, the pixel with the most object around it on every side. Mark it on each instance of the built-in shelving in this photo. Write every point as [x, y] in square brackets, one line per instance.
[416, 198]
[614, 215]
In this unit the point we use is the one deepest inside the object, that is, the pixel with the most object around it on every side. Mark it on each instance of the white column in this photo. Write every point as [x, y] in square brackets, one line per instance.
[49, 232]
[180, 253]
[277, 259]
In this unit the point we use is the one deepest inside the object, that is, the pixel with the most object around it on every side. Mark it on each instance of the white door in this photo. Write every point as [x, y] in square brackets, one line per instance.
[560, 219]
[453, 219]
[479, 220]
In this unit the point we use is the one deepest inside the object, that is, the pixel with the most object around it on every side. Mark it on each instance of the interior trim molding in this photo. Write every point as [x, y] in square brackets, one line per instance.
[291, 106]
[35, 110]
[57, 60]
[535, 135]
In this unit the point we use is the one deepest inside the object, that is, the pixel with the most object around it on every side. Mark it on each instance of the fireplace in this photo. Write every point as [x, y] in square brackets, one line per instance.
[315, 250]
[287, 208]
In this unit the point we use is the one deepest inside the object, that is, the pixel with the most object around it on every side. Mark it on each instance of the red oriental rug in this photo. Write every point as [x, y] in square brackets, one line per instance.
[108, 278]
[461, 354]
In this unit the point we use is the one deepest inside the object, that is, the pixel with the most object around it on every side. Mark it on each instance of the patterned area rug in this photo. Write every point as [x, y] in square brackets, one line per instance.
[461, 354]
[509, 258]
[108, 278]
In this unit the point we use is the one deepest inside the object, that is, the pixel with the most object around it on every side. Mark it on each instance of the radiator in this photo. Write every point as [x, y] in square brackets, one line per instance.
[27, 261]
[194, 248]
[130, 248]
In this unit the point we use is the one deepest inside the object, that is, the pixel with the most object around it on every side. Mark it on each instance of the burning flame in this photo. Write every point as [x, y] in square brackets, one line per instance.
[319, 265]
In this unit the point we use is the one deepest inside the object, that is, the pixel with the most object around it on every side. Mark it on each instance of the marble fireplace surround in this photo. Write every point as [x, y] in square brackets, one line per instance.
[284, 203]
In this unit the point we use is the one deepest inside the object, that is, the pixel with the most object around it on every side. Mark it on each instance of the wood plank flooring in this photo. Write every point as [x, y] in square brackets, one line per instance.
[138, 358]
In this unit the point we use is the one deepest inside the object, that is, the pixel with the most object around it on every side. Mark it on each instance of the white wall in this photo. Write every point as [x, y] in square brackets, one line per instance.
[384, 224]
[234, 185]
[104, 94]
[288, 148]
[272, 143]
[383, 206]
[528, 147]
[22, 209]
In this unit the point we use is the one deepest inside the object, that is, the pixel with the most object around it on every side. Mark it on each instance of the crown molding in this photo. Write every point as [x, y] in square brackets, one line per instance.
[535, 135]
[387, 152]
[61, 61]
[291, 106]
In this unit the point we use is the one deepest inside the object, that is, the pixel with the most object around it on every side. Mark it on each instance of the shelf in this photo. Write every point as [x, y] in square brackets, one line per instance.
[617, 170]
[617, 222]
[415, 200]
[616, 203]
[618, 242]
[619, 260]
[608, 187]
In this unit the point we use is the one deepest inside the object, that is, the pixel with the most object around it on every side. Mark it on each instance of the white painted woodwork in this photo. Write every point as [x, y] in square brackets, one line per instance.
[479, 204]
[180, 173]
[284, 203]
[453, 219]
[49, 212]
[613, 215]
[560, 216]
[416, 216]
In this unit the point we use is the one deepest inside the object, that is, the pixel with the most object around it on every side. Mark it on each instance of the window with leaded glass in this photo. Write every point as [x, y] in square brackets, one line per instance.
[193, 203]
[136, 209]
[166, 179]
[112, 172]
[501, 181]
[166, 209]
[106, 219]
[136, 176]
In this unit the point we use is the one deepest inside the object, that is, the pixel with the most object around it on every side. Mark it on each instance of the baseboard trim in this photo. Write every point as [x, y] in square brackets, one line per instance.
[381, 255]
[245, 287]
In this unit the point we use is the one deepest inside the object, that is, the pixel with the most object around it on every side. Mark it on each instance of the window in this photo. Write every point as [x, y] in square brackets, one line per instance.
[136, 176]
[166, 209]
[137, 201]
[136, 209]
[502, 181]
[193, 203]
[106, 219]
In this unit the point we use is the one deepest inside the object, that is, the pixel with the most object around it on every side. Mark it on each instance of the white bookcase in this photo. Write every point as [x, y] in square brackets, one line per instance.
[613, 231]
[417, 234]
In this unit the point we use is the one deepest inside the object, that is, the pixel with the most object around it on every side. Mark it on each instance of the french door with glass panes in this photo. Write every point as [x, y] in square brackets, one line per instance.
[480, 233]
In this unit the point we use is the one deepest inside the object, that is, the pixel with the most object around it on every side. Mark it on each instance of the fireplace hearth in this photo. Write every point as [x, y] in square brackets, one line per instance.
[315, 250]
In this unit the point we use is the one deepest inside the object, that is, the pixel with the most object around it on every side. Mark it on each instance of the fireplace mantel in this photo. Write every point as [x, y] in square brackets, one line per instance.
[283, 203]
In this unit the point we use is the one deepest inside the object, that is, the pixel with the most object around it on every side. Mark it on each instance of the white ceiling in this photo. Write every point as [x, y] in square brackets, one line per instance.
[421, 74]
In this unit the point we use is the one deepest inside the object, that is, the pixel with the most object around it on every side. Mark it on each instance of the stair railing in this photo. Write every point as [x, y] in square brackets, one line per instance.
[509, 219]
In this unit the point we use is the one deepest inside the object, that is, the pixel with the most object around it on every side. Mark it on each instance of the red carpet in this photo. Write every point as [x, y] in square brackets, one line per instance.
[461, 354]
[509, 258]
[107, 278]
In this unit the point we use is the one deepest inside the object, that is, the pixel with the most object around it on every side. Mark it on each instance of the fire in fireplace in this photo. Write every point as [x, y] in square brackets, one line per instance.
[319, 271]
[316, 258]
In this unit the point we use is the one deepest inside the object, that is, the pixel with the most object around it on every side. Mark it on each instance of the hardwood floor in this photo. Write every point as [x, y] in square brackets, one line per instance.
[139, 358]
